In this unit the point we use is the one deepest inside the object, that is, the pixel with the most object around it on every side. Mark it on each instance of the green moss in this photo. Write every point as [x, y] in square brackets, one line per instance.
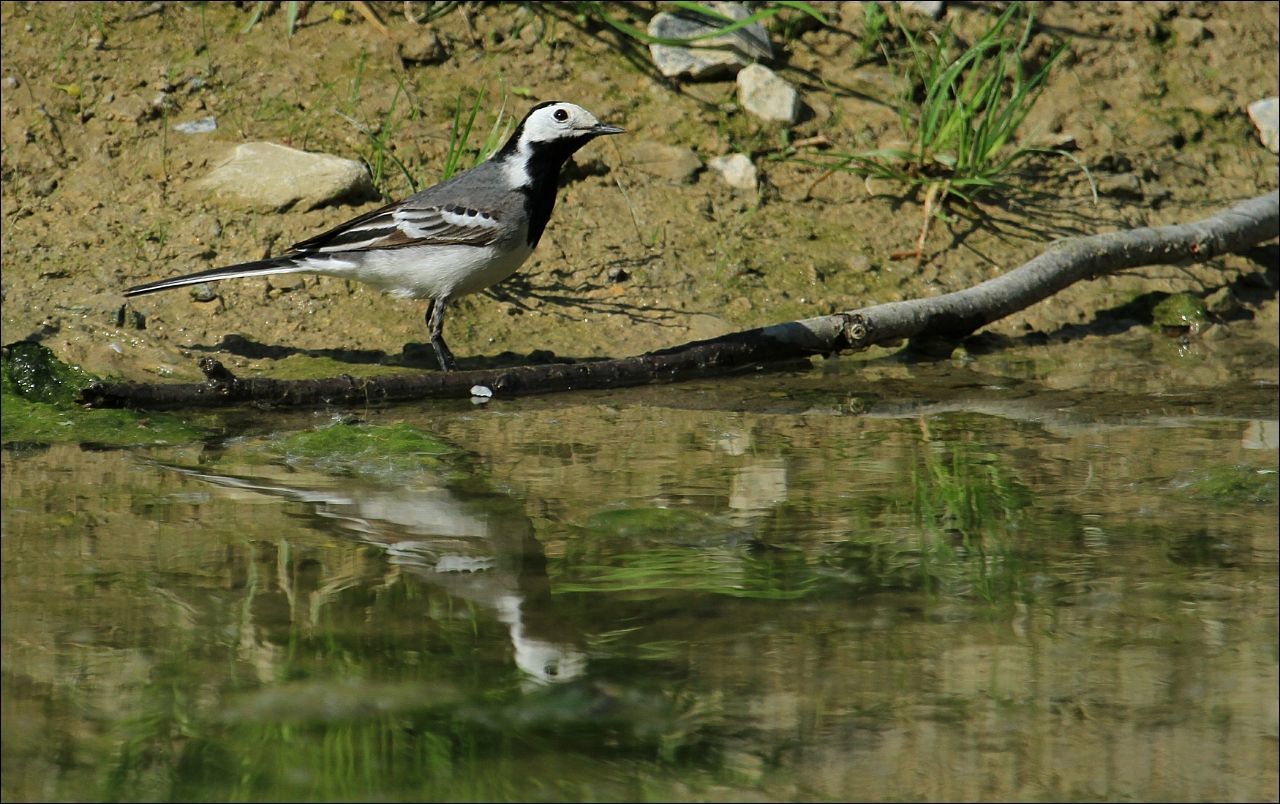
[1231, 485]
[37, 405]
[648, 522]
[369, 450]
[31, 371]
[23, 421]
[1180, 310]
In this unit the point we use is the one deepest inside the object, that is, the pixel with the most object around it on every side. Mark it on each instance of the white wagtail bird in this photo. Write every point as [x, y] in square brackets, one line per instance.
[458, 237]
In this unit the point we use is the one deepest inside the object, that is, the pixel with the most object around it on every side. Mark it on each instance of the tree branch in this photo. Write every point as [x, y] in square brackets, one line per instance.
[952, 315]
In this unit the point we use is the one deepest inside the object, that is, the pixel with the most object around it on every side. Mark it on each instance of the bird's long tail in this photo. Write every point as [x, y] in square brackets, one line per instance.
[276, 265]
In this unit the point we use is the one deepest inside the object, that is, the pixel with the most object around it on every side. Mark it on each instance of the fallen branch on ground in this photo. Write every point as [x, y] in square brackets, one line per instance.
[952, 316]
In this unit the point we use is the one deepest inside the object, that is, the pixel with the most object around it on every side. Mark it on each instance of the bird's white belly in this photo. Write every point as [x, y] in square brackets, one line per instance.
[421, 272]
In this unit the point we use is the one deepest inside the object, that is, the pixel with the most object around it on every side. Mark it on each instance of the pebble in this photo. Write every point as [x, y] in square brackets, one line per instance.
[1189, 31]
[1123, 185]
[735, 49]
[1208, 106]
[736, 170]
[202, 126]
[933, 9]
[265, 174]
[675, 163]
[203, 292]
[1265, 114]
[130, 109]
[765, 94]
[424, 48]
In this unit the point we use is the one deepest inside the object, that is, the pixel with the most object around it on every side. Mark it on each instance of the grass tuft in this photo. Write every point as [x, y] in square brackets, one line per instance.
[960, 113]
[460, 136]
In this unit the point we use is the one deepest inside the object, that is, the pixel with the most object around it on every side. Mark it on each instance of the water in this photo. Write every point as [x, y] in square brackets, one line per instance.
[701, 592]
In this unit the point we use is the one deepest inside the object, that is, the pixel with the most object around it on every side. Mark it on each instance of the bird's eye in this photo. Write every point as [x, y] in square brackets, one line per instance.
[560, 114]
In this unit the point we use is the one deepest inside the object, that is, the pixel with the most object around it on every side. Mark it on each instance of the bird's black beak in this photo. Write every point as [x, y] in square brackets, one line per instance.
[601, 128]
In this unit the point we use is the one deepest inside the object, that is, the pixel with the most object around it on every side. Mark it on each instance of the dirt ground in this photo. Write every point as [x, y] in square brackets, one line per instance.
[97, 184]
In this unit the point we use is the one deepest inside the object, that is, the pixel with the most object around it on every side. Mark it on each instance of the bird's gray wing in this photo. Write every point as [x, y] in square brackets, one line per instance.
[407, 223]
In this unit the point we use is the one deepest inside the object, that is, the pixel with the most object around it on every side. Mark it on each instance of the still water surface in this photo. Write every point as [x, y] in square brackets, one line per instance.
[685, 593]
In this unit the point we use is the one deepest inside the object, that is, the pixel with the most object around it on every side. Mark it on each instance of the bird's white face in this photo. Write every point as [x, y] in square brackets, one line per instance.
[559, 121]
[557, 128]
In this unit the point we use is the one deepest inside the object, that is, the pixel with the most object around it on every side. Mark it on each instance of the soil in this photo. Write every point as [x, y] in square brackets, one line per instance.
[97, 183]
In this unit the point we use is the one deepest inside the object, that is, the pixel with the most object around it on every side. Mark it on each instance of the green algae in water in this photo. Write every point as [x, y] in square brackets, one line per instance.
[659, 570]
[37, 405]
[1232, 485]
[32, 372]
[631, 522]
[1180, 310]
[382, 451]
[678, 549]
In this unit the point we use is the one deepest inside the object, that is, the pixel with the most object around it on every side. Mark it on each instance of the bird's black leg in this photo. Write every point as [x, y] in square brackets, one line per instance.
[435, 326]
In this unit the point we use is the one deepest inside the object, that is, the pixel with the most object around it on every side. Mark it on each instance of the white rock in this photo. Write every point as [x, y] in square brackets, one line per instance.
[737, 171]
[766, 95]
[716, 56]
[264, 174]
[933, 9]
[201, 126]
[1265, 114]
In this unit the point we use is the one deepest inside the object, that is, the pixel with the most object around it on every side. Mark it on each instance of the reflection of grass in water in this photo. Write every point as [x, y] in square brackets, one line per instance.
[352, 712]
[961, 508]
[1232, 485]
[691, 569]
[468, 749]
[660, 550]
[390, 452]
[964, 508]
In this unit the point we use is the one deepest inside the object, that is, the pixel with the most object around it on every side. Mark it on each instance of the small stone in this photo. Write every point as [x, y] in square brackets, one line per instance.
[1208, 106]
[130, 109]
[203, 292]
[736, 170]
[1124, 185]
[425, 47]
[1189, 31]
[1265, 115]
[162, 102]
[10, 82]
[933, 9]
[129, 318]
[264, 174]
[675, 163]
[1063, 142]
[206, 228]
[202, 126]
[766, 95]
[731, 51]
